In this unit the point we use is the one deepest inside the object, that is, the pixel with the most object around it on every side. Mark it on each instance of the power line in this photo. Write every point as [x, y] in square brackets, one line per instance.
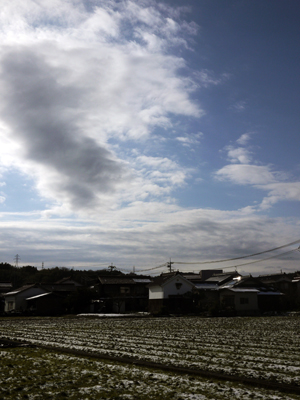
[238, 258]
[263, 259]
[151, 269]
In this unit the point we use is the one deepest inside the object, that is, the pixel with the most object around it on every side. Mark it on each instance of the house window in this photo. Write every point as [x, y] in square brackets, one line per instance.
[178, 285]
[124, 290]
[10, 305]
[244, 300]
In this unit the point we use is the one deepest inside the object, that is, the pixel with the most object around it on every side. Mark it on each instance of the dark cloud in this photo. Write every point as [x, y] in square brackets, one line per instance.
[44, 115]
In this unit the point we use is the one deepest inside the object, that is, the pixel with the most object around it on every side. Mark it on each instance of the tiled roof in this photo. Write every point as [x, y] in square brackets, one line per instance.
[21, 289]
[192, 277]
[68, 280]
[220, 277]
[56, 287]
[241, 290]
[208, 286]
[39, 295]
[5, 284]
[116, 280]
[160, 280]
[142, 280]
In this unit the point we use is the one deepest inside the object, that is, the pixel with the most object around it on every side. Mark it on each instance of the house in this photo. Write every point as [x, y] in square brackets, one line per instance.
[4, 288]
[296, 283]
[15, 301]
[208, 295]
[54, 300]
[48, 303]
[201, 276]
[245, 295]
[285, 283]
[40, 298]
[208, 273]
[220, 279]
[122, 293]
[166, 293]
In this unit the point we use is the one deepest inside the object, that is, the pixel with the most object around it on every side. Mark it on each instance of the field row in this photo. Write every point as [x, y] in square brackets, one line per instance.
[265, 348]
[40, 374]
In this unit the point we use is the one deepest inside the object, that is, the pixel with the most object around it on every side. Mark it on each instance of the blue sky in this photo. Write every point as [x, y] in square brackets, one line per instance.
[132, 132]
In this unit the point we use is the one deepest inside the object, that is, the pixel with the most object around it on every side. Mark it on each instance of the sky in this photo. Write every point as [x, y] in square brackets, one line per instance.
[135, 132]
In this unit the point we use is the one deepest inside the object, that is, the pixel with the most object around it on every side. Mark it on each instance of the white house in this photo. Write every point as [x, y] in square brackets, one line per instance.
[166, 291]
[248, 295]
[242, 300]
[16, 300]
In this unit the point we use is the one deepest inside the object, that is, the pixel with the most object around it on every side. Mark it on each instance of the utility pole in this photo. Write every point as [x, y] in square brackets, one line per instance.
[170, 265]
[17, 258]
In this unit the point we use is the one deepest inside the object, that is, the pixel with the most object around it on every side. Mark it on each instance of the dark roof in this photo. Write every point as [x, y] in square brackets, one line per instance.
[247, 283]
[116, 280]
[5, 287]
[142, 280]
[19, 290]
[56, 287]
[221, 278]
[192, 277]
[68, 280]
[5, 284]
[160, 280]
[47, 294]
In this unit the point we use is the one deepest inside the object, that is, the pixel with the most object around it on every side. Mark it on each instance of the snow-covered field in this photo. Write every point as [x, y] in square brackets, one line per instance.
[39, 374]
[266, 348]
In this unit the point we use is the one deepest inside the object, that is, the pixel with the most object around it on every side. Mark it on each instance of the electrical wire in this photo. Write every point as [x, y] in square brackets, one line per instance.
[237, 258]
[151, 269]
[263, 259]
[214, 261]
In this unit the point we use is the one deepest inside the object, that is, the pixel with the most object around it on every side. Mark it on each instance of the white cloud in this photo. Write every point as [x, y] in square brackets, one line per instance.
[239, 106]
[190, 140]
[244, 139]
[280, 191]
[73, 79]
[156, 176]
[207, 78]
[262, 177]
[247, 174]
[238, 154]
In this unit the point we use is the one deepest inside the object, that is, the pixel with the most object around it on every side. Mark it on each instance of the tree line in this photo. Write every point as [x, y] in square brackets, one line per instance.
[28, 274]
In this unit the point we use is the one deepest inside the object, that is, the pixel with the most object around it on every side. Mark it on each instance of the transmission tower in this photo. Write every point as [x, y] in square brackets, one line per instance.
[111, 267]
[17, 258]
